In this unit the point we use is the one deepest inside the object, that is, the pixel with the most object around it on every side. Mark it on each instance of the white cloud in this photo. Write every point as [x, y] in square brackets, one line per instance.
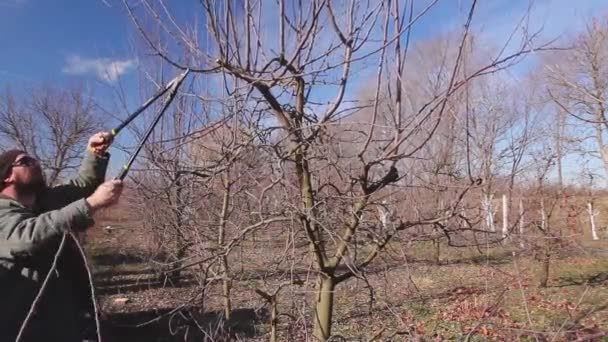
[105, 69]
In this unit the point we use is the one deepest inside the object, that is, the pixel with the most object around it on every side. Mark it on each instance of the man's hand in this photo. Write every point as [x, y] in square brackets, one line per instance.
[100, 142]
[106, 194]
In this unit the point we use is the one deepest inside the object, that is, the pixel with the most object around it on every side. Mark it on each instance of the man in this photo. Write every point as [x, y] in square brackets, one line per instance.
[33, 219]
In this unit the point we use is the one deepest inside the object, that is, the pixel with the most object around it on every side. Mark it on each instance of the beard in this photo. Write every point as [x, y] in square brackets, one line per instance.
[35, 187]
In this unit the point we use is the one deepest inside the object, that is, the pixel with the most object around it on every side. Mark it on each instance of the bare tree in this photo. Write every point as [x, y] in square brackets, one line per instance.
[578, 83]
[339, 156]
[50, 124]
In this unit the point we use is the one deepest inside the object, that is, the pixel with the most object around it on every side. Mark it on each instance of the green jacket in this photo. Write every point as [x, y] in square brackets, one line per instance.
[28, 242]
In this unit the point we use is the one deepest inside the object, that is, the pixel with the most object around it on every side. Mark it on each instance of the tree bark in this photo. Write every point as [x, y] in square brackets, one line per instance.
[592, 214]
[521, 223]
[546, 249]
[544, 270]
[489, 215]
[226, 281]
[324, 307]
[437, 245]
[505, 217]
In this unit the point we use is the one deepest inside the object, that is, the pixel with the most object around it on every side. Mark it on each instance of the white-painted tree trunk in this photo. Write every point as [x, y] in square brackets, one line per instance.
[505, 217]
[521, 223]
[543, 215]
[383, 216]
[489, 212]
[592, 215]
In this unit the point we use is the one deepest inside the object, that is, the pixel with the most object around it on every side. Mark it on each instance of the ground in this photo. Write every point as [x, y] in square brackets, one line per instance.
[492, 295]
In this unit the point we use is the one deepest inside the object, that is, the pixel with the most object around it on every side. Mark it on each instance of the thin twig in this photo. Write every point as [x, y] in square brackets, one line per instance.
[42, 288]
[91, 286]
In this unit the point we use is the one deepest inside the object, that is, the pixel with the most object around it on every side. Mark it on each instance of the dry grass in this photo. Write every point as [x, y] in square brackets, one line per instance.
[487, 296]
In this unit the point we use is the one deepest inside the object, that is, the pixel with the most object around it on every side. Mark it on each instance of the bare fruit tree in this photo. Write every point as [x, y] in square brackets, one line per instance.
[340, 157]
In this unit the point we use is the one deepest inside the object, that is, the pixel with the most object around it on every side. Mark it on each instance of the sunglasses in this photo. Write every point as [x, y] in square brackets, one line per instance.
[26, 161]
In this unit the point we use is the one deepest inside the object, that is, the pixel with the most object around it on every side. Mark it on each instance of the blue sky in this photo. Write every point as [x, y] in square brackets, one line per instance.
[91, 41]
[40, 37]
[63, 41]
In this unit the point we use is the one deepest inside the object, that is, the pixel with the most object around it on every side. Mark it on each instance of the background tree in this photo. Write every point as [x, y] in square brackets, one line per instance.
[51, 124]
[578, 84]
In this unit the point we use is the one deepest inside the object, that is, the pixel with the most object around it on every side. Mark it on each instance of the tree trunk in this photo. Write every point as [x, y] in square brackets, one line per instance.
[592, 221]
[521, 223]
[558, 145]
[544, 270]
[505, 217]
[226, 281]
[437, 245]
[226, 287]
[181, 245]
[324, 308]
[489, 214]
[274, 320]
[602, 147]
[175, 277]
[543, 217]
[546, 249]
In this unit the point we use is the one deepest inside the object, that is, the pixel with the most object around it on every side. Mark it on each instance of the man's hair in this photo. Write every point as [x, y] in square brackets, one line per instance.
[7, 159]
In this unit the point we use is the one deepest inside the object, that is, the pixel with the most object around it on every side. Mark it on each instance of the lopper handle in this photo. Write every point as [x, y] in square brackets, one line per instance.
[175, 84]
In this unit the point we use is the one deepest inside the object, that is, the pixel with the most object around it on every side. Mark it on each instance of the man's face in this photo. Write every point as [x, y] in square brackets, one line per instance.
[26, 174]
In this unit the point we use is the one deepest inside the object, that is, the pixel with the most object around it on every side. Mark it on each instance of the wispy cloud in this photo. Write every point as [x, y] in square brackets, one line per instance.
[105, 69]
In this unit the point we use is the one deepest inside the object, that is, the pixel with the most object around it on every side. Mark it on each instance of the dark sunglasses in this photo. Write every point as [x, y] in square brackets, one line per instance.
[26, 161]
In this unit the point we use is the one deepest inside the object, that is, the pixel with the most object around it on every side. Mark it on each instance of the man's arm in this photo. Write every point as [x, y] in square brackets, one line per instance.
[22, 232]
[91, 174]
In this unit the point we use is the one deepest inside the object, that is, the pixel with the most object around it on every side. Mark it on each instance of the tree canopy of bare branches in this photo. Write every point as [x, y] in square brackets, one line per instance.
[51, 124]
[284, 74]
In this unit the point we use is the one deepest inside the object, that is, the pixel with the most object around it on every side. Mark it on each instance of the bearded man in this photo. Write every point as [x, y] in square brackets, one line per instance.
[33, 219]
